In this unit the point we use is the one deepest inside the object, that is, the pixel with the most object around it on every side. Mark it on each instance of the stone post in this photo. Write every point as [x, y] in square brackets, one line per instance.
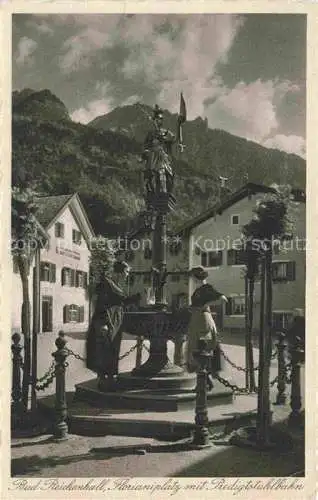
[60, 355]
[17, 362]
[295, 416]
[201, 432]
[281, 384]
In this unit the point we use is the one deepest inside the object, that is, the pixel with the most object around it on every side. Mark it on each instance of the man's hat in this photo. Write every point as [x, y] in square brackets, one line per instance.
[199, 273]
[204, 295]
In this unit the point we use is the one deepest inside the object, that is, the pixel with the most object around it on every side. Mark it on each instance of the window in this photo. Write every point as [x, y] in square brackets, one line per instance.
[59, 230]
[76, 237]
[48, 272]
[175, 277]
[235, 220]
[282, 321]
[81, 279]
[235, 306]
[284, 271]
[73, 314]
[211, 259]
[68, 277]
[236, 257]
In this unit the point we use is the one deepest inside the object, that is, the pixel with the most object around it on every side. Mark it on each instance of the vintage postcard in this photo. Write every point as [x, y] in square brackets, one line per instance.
[158, 267]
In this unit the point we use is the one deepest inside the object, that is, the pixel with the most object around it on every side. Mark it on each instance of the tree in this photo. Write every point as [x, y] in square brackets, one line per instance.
[101, 262]
[270, 223]
[26, 236]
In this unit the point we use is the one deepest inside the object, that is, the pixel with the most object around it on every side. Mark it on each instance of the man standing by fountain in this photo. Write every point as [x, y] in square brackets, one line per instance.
[104, 334]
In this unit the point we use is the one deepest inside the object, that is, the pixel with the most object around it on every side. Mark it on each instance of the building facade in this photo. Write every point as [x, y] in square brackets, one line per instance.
[212, 240]
[64, 267]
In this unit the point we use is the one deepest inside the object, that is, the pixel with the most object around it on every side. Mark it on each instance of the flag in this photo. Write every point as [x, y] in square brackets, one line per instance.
[183, 110]
[181, 119]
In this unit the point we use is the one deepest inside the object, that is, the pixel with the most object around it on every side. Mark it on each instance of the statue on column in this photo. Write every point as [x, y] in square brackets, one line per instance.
[158, 156]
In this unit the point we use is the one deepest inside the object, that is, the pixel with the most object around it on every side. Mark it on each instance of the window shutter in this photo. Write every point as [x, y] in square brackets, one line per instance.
[81, 314]
[85, 280]
[52, 273]
[204, 259]
[77, 273]
[291, 271]
[72, 277]
[220, 257]
[63, 276]
[50, 317]
[42, 275]
[62, 230]
[73, 235]
[66, 314]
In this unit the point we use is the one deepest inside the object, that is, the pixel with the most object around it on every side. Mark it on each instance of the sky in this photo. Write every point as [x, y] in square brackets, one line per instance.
[245, 73]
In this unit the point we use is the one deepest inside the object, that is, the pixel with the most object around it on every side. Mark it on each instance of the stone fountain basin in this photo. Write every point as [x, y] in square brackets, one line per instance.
[169, 325]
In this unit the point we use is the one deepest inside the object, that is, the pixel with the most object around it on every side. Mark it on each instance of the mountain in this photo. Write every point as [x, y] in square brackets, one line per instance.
[212, 152]
[42, 104]
[101, 161]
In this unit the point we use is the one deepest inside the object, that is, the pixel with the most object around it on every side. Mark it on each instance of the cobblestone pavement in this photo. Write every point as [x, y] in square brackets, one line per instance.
[114, 456]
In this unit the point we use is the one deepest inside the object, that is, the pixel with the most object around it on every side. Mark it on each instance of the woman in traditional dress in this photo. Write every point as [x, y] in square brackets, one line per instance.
[104, 334]
[202, 324]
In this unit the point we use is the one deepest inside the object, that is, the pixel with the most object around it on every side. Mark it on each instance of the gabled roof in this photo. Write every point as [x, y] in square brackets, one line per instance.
[218, 208]
[51, 207]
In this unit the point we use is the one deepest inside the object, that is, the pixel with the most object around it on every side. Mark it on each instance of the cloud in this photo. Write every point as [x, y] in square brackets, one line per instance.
[42, 27]
[181, 57]
[151, 58]
[248, 110]
[79, 49]
[92, 110]
[289, 143]
[26, 47]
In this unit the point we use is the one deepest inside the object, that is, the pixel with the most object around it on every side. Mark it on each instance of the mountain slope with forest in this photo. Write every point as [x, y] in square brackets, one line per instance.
[101, 161]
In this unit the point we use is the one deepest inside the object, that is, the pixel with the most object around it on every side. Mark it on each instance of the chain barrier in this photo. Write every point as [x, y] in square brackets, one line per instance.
[132, 349]
[237, 367]
[240, 368]
[234, 387]
[44, 382]
[77, 356]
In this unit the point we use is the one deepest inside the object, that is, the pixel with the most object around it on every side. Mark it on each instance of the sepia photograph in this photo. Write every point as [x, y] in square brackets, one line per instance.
[158, 250]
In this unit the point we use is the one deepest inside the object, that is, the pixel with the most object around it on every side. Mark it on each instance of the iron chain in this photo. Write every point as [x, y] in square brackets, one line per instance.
[47, 378]
[128, 352]
[237, 367]
[51, 368]
[234, 387]
[76, 356]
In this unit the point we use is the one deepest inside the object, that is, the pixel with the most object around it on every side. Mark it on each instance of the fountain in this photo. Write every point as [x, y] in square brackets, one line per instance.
[158, 383]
